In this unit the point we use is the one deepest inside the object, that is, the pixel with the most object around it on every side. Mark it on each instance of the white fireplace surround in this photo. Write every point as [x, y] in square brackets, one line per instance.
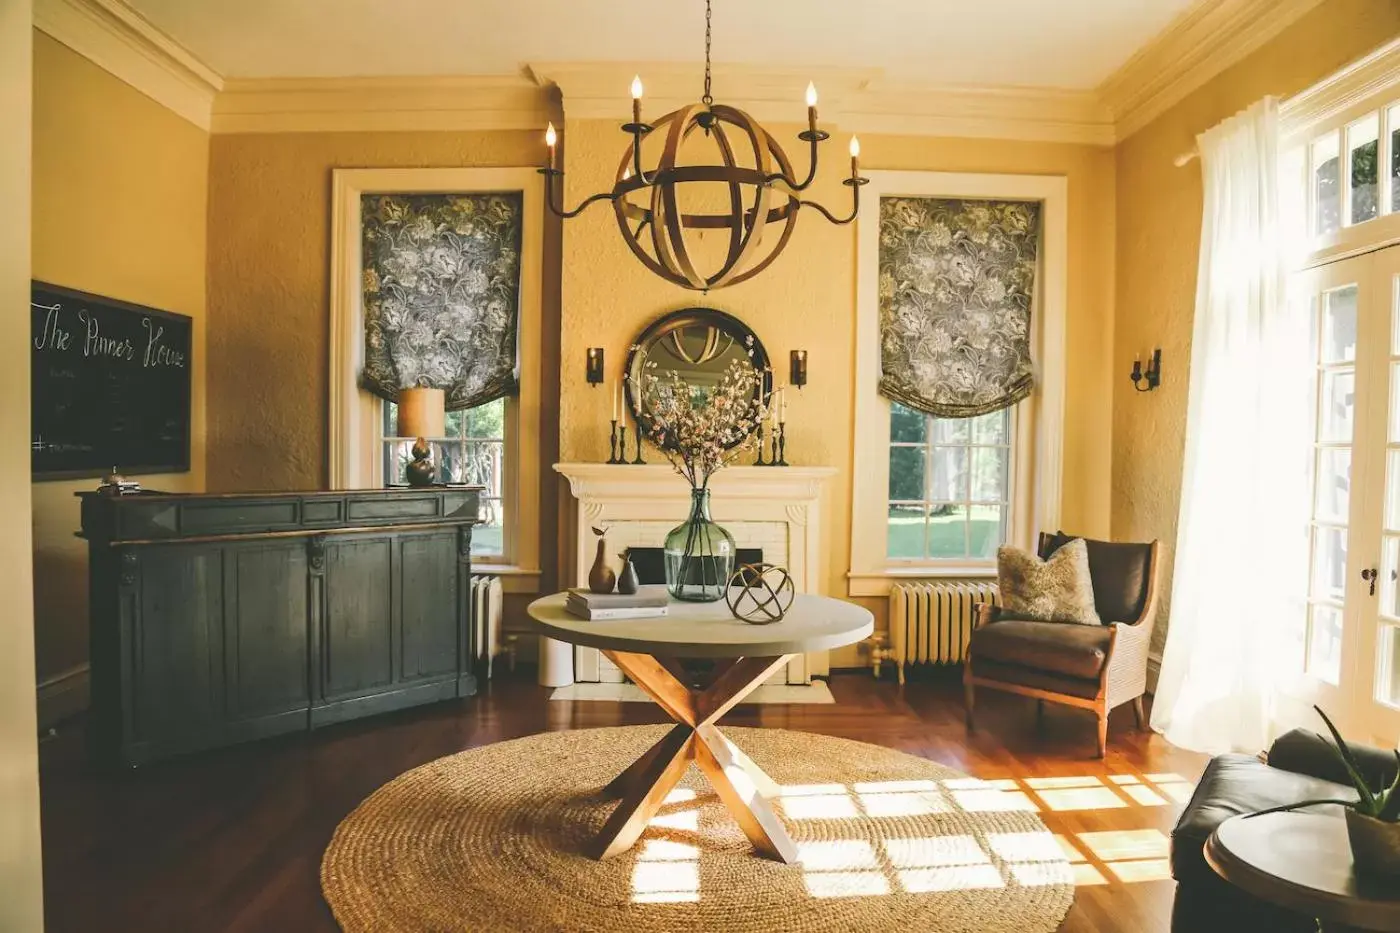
[778, 509]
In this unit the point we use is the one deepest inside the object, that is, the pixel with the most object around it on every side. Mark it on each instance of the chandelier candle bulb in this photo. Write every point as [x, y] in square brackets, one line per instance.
[637, 99]
[855, 157]
[811, 106]
[550, 138]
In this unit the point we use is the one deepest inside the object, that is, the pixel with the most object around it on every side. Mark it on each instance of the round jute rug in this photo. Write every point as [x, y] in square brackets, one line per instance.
[491, 840]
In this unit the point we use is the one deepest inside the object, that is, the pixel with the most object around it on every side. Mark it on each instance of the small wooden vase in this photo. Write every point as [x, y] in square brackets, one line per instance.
[601, 578]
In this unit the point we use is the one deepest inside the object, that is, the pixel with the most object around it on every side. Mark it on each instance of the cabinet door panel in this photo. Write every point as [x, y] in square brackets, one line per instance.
[358, 644]
[429, 601]
[176, 645]
[265, 641]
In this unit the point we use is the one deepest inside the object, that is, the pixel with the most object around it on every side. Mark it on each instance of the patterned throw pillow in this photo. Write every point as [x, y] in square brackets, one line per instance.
[1055, 590]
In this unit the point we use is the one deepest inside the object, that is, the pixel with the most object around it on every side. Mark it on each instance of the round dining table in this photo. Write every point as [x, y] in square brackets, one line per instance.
[649, 652]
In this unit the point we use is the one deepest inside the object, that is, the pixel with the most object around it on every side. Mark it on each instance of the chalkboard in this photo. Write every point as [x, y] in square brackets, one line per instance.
[110, 384]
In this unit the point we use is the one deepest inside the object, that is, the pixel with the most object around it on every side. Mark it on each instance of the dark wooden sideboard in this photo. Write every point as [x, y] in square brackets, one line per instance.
[222, 618]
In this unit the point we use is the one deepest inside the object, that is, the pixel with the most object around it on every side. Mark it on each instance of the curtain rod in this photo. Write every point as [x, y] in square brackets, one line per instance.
[1186, 158]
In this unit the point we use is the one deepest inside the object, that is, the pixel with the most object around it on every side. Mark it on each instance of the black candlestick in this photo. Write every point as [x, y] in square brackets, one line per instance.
[638, 459]
[612, 444]
[622, 443]
[760, 461]
[782, 445]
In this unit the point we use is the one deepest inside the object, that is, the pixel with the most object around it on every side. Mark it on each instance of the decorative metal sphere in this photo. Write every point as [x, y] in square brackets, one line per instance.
[760, 593]
[656, 231]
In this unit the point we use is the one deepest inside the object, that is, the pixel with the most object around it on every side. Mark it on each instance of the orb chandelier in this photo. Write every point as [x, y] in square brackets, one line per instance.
[759, 189]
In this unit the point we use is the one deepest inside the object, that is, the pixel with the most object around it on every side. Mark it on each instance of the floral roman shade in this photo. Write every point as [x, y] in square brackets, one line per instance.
[442, 294]
[956, 280]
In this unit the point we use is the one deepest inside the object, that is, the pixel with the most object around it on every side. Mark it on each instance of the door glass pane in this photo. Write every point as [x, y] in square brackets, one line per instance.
[1337, 403]
[1390, 576]
[1329, 563]
[1392, 490]
[1394, 124]
[1363, 144]
[1325, 644]
[1390, 668]
[1327, 184]
[947, 531]
[1339, 325]
[906, 531]
[1333, 493]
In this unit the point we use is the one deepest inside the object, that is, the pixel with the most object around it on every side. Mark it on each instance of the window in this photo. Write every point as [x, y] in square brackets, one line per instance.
[950, 486]
[496, 445]
[474, 451]
[935, 497]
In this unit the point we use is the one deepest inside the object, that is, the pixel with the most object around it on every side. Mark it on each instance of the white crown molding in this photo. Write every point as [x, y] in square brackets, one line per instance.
[851, 99]
[117, 39]
[1201, 43]
[599, 90]
[1020, 113]
[1343, 95]
[328, 105]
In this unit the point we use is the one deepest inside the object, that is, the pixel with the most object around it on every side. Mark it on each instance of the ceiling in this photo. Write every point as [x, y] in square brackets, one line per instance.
[1073, 44]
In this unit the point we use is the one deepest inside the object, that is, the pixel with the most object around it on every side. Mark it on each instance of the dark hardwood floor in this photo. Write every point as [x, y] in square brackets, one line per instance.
[232, 840]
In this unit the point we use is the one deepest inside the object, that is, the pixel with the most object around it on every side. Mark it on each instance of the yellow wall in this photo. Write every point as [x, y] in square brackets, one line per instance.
[269, 297]
[120, 189]
[1159, 219]
[21, 874]
[806, 300]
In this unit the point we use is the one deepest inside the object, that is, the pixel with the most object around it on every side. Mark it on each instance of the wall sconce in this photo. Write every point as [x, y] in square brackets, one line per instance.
[797, 372]
[1152, 375]
[595, 366]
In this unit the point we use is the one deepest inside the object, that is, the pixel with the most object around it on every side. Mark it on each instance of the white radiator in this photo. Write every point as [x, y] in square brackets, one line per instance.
[932, 622]
[486, 619]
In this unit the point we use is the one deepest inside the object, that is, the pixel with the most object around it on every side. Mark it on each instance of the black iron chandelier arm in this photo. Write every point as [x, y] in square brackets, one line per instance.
[792, 184]
[854, 184]
[558, 209]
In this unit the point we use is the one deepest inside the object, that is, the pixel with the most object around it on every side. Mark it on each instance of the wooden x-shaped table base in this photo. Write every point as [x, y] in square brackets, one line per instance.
[740, 784]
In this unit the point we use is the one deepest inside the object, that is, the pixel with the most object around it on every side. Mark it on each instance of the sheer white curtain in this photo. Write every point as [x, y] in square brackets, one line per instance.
[1241, 557]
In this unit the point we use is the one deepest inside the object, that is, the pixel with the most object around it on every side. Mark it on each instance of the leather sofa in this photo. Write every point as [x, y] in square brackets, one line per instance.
[1299, 766]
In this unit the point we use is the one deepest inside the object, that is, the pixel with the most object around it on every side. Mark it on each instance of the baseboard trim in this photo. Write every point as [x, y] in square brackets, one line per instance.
[1154, 671]
[63, 696]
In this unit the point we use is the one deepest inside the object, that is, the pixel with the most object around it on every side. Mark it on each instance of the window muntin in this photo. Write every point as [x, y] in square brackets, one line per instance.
[472, 451]
[949, 497]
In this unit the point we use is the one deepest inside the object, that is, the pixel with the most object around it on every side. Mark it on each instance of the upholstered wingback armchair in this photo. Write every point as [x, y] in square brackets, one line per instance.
[1094, 667]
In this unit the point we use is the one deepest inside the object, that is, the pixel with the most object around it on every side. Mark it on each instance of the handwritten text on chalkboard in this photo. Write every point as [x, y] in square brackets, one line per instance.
[111, 385]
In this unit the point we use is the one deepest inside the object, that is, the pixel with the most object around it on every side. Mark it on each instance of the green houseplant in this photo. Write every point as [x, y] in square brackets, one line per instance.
[1373, 819]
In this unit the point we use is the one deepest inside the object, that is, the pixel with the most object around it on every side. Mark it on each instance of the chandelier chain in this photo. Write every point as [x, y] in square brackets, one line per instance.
[707, 99]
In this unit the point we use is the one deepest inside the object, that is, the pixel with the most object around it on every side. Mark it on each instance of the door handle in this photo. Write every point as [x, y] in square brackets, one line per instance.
[1369, 575]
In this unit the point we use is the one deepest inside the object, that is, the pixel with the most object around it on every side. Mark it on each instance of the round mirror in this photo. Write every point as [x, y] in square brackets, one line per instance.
[698, 345]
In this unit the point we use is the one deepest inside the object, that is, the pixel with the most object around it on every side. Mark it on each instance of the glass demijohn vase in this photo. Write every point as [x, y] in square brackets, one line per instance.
[699, 555]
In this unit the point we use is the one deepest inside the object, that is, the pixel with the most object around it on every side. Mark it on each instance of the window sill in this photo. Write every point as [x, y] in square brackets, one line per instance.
[513, 579]
[879, 582]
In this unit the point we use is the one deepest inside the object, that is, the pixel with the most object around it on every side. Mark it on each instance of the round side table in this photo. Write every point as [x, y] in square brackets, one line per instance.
[1302, 861]
[646, 650]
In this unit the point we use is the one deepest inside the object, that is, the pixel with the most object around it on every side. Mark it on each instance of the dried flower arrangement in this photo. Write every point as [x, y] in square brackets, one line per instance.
[701, 429]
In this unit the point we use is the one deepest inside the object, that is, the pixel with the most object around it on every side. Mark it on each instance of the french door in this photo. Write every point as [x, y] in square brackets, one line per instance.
[1350, 646]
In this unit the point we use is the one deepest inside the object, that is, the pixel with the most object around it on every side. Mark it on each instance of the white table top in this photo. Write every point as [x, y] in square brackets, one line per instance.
[707, 630]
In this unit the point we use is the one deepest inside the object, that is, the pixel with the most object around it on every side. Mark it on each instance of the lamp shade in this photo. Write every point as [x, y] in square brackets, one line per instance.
[421, 413]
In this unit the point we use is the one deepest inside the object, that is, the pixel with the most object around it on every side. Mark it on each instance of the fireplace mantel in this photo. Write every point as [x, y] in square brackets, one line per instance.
[776, 508]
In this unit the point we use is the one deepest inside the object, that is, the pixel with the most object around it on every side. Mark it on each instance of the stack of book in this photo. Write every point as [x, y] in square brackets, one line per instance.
[648, 602]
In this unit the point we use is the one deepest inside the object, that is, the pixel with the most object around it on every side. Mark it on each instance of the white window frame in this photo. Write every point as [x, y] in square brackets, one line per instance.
[1368, 85]
[1037, 458]
[355, 423]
